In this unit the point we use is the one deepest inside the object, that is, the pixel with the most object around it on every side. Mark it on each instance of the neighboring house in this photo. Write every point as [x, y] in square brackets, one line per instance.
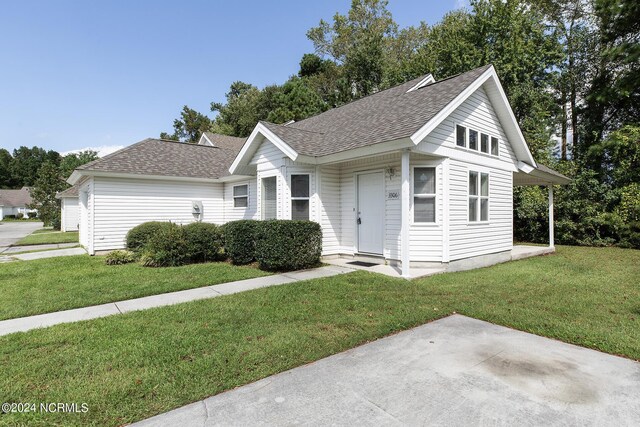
[419, 173]
[14, 202]
[69, 209]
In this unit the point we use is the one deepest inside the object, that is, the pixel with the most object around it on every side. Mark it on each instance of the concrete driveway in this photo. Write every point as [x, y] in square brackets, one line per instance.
[454, 371]
[11, 232]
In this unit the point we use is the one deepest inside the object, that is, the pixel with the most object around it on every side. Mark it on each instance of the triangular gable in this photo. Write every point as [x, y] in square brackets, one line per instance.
[489, 80]
[259, 134]
[204, 140]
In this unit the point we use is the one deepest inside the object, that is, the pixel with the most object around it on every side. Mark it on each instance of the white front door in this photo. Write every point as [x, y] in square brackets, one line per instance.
[370, 213]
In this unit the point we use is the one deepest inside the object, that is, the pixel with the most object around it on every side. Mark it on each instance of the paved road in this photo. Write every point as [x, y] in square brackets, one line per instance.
[456, 371]
[11, 232]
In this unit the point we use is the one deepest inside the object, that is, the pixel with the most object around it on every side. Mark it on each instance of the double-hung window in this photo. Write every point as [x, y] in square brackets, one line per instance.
[300, 197]
[424, 194]
[478, 196]
[269, 198]
[240, 196]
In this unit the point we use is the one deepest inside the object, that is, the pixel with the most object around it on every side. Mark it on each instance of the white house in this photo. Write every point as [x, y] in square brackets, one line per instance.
[419, 173]
[70, 209]
[14, 202]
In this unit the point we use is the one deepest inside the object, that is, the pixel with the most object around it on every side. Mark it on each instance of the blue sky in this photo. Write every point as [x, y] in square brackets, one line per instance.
[77, 74]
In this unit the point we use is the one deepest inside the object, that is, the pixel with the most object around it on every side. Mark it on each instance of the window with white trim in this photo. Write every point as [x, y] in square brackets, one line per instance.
[473, 139]
[478, 196]
[269, 198]
[461, 136]
[300, 196]
[494, 146]
[484, 143]
[424, 194]
[241, 196]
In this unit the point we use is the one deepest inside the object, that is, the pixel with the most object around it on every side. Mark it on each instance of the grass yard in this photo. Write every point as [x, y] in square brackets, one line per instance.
[41, 238]
[133, 366]
[54, 284]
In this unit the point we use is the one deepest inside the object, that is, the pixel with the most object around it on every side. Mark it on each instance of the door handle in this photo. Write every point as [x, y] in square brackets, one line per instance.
[359, 221]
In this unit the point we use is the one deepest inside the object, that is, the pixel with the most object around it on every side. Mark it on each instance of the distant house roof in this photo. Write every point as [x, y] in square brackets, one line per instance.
[69, 192]
[15, 198]
[158, 157]
[223, 141]
[388, 115]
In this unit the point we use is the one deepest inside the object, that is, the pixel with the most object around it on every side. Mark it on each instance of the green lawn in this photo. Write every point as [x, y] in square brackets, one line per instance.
[140, 364]
[42, 238]
[53, 284]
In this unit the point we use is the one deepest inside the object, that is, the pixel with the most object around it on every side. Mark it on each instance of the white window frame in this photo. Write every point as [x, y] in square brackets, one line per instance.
[308, 198]
[466, 146]
[261, 200]
[435, 195]
[233, 194]
[479, 196]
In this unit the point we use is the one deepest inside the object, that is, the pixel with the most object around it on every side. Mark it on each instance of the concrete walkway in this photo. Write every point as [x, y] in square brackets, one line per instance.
[12, 231]
[456, 371]
[48, 254]
[45, 247]
[43, 320]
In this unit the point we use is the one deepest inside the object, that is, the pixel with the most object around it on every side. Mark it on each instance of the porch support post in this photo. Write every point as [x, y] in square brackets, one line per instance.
[551, 239]
[404, 229]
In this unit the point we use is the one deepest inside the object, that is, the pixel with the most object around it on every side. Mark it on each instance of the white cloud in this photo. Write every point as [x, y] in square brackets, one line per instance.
[102, 150]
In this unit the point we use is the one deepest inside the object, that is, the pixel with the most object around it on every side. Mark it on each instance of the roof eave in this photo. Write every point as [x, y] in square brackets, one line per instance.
[248, 149]
[92, 173]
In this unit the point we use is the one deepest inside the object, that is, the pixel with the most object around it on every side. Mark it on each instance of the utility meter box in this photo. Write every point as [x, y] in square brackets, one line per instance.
[197, 210]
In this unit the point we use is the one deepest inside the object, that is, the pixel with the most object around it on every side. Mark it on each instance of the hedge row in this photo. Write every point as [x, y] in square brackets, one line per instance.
[165, 244]
[276, 245]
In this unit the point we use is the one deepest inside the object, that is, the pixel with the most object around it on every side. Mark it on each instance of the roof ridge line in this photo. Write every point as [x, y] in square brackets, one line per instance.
[289, 127]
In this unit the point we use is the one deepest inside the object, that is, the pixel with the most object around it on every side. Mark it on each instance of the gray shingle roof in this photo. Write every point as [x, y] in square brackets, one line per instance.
[225, 141]
[167, 158]
[69, 192]
[385, 116]
[15, 198]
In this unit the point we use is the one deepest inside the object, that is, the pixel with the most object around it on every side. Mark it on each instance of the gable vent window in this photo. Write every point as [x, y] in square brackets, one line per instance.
[269, 198]
[478, 196]
[300, 197]
[424, 195]
[241, 196]
[494, 146]
[461, 136]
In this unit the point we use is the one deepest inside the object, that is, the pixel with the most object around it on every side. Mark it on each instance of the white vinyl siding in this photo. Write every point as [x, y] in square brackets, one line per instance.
[121, 204]
[467, 239]
[232, 213]
[70, 215]
[475, 113]
[330, 209]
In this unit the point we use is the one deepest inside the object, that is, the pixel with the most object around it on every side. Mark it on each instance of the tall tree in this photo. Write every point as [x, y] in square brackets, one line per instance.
[358, 42]
[6, 180]
[26, 163]
[189, 127]
[71, 161]
[47, 184]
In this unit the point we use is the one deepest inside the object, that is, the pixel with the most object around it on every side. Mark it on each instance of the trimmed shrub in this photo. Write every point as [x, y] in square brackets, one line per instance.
[204, 242]
[168, 247]
[288, 245]
[32, 215]
[119, 257]
[20, 215]
[138, 236]
[239, 240]
[9, 217]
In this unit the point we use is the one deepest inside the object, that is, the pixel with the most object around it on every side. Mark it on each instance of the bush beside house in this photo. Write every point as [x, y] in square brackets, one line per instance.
[288, 245]
[277, 245]
[240, 241]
